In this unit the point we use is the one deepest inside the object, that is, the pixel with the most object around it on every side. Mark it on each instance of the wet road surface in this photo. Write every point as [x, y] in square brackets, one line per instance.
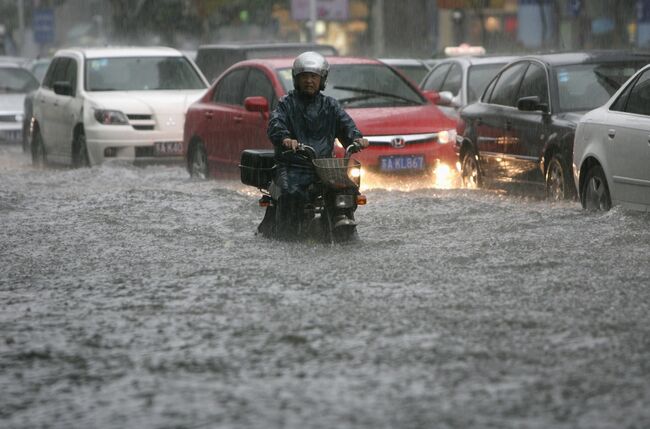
[138, 298]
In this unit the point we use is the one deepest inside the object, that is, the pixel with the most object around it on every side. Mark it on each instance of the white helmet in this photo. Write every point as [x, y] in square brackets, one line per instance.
[312, 62]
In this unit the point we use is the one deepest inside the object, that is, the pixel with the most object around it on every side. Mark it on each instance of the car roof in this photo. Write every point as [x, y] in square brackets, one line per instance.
[264, 46]
[122, 51]
[283, 62]
[583, 57]
[403, 61]
[19, 61]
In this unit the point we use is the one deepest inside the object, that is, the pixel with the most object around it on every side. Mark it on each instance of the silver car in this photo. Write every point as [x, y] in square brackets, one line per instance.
[15, 83]
[611, 151]
[461, 80]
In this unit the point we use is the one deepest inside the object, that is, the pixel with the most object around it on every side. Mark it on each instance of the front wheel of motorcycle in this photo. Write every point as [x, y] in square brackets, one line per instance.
[345, 234]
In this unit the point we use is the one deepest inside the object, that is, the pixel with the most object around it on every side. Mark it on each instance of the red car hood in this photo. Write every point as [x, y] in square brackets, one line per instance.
[382, 121]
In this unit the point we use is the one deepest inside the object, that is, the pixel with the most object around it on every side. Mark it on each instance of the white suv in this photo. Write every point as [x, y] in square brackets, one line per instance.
[97, 104]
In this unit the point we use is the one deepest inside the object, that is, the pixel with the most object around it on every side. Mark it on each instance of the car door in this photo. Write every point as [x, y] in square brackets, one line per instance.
[60, 121]
[223, 118]
[493, 129]
[528, 128]
[69, 108]
[254, 124]
[45, 109]
[627, 143]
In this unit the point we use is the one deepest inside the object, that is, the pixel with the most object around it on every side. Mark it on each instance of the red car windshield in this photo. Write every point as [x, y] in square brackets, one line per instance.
[364, 85]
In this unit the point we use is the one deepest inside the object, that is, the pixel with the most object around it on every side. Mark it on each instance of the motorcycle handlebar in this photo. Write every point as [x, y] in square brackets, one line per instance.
[309, 152]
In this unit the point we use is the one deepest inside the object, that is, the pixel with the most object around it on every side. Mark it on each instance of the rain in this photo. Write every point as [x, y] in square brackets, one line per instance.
[137, 296]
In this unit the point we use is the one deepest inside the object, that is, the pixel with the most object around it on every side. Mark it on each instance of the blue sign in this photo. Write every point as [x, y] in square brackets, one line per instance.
[43, 26]
[643, 10]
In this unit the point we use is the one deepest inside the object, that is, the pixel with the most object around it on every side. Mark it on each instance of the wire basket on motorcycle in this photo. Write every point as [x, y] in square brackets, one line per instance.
[338, 172]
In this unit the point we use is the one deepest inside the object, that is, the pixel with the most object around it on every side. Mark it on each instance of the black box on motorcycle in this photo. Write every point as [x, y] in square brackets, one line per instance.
[256, 167]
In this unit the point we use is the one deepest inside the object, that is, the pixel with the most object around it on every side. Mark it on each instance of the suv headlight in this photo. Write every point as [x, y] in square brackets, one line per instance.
[447, 136]
[111, 117]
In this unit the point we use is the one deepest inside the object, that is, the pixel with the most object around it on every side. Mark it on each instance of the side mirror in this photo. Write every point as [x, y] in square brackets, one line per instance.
[256, 104]
[432, 96]
[446, 99]
[531, 104]
[62, 88]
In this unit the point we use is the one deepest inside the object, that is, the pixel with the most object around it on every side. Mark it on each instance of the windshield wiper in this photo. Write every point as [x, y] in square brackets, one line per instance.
[370, 93]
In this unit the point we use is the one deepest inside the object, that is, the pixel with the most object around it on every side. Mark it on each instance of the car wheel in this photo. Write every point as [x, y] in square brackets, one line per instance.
[595, 192]
[80, 151]
[558, 185]
[470, 174]
[39, 156]
[198, 164]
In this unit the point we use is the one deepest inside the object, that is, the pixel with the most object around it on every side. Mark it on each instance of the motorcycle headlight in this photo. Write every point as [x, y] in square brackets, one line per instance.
[447, 136]
[344, 201]
[111, 117]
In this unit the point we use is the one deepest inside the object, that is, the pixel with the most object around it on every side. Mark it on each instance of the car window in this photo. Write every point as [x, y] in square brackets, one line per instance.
[436, 77]
[413, 72]
[16, 80]
[639, 100]
[258, 84]
[507, 85]
[141, 74]
[478, 77]
[534, 84]
[488, 90]
[48, 80]
[71, 75]
[583, 87]
[58, 75]
[453, 80]
[229, 88]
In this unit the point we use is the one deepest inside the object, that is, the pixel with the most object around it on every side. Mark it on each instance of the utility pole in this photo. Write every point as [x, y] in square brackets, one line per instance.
[21, 27]
[312, 21]
[377, 14]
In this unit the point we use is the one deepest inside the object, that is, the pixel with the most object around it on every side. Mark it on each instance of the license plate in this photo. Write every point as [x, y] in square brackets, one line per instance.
[167, 148]
[401, 162]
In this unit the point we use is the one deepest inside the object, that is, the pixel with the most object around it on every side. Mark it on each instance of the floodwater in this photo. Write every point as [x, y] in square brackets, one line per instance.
[139, 298]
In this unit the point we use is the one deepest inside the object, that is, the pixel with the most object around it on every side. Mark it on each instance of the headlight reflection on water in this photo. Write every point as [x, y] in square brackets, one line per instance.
[441, 176]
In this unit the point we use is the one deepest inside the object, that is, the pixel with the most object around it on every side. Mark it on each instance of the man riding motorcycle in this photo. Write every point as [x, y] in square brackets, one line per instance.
[305, 116]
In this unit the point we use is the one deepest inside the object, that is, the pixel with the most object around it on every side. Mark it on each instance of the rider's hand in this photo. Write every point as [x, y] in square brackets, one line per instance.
[363, 142]
[290, 144]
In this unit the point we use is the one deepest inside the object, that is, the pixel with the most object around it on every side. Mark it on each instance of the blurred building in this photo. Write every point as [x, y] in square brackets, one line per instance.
[389, 28]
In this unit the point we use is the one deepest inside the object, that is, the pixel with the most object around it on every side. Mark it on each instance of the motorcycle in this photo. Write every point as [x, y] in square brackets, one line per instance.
[328, 214]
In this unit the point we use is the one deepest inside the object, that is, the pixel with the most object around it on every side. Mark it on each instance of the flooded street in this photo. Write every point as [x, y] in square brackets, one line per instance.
[139, 298]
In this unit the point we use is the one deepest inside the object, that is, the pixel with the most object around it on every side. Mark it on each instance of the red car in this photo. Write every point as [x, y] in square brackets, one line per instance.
[406, 131]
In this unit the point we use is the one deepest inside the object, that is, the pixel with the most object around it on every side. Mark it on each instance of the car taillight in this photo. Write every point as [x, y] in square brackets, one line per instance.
[362, 200]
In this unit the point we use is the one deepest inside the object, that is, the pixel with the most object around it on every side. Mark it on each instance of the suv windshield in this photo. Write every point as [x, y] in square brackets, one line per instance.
[364, 85]
[584, 87]
[16, 80]
[141, 74]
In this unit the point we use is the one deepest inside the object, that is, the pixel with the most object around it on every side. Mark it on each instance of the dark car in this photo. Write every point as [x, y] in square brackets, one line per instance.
[214, 59]
[521, 130]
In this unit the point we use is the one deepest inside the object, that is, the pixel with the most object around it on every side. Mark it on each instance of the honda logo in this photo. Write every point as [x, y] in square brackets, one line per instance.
[398, 142]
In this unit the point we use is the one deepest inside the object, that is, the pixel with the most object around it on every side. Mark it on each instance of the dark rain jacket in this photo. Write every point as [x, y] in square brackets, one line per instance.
[314, 121]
